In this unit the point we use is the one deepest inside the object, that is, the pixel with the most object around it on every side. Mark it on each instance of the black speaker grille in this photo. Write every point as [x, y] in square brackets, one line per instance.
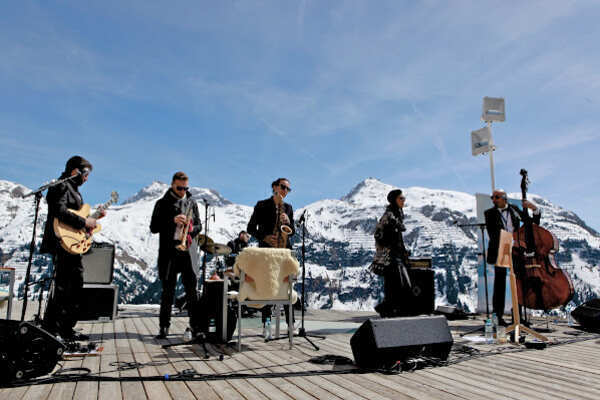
[98, 264]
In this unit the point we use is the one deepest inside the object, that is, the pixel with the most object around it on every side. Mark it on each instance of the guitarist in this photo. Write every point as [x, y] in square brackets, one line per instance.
[168, 220]
[508, 217]
[63, 305]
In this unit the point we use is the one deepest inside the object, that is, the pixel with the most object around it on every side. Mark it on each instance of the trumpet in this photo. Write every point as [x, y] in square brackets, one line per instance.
[183, 246]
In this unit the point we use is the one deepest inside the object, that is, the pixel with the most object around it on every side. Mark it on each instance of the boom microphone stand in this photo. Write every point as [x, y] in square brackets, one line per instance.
[38, 197]
[302, 332]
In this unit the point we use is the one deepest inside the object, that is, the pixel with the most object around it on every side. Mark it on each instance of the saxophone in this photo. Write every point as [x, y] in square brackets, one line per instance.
[280, 231]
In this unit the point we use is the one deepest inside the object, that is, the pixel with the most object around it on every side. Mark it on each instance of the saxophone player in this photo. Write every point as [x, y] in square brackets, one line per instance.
[272, 224]
[176, 219]
[269, 214]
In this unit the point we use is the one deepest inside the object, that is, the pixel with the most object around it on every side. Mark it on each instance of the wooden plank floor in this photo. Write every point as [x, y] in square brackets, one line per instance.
[271, 371]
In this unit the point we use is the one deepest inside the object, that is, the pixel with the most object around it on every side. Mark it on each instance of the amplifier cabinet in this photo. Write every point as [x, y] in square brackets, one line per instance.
[98, 302]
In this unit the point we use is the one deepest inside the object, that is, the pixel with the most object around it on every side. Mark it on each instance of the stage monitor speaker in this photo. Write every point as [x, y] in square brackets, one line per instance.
[26, 351]
[380, 343]
[98, 302]
[423, 291]
[588, 314]
[98, 264]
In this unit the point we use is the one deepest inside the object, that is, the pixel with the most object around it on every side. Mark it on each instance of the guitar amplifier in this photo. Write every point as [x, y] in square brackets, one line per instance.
[98, 302]
[423, 262]
[98, 263]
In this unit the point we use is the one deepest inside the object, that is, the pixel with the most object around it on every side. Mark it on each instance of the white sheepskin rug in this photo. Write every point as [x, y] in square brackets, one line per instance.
[267, 270]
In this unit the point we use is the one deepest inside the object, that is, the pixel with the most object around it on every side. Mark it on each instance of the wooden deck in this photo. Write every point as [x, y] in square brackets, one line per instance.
[271, 371]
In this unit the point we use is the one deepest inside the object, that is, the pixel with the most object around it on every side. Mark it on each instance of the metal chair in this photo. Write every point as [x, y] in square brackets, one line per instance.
[276, 302]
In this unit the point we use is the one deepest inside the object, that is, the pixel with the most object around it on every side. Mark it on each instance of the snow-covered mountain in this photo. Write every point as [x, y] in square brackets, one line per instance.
[339, 242]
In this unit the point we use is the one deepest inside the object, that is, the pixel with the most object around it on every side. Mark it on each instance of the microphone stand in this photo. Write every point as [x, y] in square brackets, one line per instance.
[301, 331]
[205, 243]
[38, 197]
[485, 279]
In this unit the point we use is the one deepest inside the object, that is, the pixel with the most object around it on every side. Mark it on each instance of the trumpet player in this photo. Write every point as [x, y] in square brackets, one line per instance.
[272, 224]
[177, 221]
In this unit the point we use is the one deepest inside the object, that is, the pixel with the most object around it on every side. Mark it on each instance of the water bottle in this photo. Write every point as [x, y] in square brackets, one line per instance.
[489, 331]
[187, 335]
[495, 325]
[570, 321]
[268, 328]
[212, 326]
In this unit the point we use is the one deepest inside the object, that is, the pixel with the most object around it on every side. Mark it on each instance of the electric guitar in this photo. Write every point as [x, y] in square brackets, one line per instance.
[79, 241]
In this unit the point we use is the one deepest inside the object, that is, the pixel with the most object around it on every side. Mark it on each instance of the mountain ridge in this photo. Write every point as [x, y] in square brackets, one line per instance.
[339, 241]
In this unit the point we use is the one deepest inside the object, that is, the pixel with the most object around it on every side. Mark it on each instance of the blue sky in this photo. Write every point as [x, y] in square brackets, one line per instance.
[327, 93]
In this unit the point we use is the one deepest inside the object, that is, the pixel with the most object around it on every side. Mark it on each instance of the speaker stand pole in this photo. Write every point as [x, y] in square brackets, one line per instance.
[485, 278]
[301, 331]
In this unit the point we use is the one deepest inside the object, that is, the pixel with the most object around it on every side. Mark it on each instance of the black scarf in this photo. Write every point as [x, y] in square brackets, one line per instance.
[399, 214]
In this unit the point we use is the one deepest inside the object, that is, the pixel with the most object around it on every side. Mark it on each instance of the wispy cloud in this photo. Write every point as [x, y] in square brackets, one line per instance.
[344, 90]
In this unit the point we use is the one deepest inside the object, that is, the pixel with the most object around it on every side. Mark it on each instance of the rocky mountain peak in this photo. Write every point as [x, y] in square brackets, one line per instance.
[157, 189]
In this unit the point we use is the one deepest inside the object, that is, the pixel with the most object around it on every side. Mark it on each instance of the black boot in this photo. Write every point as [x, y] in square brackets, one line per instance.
[162, 333]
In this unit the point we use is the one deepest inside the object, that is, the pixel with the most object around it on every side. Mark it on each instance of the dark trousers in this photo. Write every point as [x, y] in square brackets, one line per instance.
[267, 312]
[180, 263]
[499, 295]
[62, 311]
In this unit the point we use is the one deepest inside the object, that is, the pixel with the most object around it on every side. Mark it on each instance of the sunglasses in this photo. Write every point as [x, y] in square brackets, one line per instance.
[180, 188]
[401, 197]
[496, 197]
[289, 189]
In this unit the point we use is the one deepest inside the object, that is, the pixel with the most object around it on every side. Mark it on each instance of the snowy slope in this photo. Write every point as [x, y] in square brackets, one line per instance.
[339, 241]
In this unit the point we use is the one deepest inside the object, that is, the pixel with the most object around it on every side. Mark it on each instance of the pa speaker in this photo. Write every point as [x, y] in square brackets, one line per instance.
[98, 302]
[26, 351]
[380, 343]
[98, 264]
[423, 291]
[214, 305]
[588, 314]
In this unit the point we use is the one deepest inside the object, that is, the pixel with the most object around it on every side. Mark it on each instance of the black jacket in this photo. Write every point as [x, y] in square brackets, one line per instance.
[493, 224]
[165, 210]
[263, 219]
[237, 245]
[60, 199]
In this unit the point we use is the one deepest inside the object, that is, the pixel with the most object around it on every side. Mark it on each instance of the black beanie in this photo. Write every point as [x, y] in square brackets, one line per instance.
[391, 197]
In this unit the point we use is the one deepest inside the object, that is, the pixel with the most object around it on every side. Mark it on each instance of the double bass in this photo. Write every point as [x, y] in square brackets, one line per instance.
[541, 284]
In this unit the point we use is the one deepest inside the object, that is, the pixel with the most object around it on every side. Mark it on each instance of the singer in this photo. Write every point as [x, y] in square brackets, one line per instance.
[391, 259]
[63, 306]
